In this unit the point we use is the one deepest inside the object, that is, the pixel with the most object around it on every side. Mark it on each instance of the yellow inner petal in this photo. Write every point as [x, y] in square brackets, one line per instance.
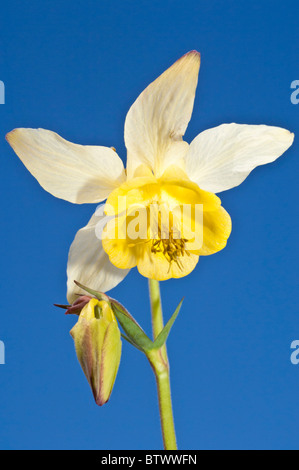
[162, 225]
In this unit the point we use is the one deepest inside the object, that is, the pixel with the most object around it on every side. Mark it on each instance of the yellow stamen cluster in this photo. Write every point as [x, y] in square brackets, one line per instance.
[172, 248]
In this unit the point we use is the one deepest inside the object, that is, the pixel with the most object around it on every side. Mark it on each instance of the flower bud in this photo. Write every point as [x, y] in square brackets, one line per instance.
[98, 347]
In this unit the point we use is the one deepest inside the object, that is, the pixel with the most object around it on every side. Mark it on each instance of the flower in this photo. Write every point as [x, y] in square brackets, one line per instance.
[98, 347]
[162, 171]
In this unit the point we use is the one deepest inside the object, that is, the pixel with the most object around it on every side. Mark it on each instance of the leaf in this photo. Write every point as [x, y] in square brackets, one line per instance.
[123, 310]
[134, 332]
[130, 341]
[162, 337]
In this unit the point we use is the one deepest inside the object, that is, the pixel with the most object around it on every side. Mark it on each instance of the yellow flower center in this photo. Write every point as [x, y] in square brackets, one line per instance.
[172, 249]
[162, 225]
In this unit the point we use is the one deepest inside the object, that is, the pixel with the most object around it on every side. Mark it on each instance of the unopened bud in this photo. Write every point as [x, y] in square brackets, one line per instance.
[98, 347]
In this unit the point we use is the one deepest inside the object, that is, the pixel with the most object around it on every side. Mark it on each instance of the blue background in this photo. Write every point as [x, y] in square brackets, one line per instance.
[75, 68]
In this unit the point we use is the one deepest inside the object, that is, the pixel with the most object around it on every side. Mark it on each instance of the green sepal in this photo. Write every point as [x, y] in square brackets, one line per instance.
[162, 337]
[98, 295]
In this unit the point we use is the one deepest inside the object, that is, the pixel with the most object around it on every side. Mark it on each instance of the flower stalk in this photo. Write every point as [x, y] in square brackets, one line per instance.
[159, 361]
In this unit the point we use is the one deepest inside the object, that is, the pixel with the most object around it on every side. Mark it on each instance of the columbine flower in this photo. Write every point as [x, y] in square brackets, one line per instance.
[162, 169]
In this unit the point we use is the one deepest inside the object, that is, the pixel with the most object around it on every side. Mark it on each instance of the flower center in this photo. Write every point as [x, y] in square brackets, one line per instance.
[168, 242]
[162, 225]
[171, 248]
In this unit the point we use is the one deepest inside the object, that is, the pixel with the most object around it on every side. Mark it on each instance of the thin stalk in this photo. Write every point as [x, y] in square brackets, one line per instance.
[160, 364]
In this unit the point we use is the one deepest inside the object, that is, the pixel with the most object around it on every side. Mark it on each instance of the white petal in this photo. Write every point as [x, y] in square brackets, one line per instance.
[77, 173]
[88, 263]
[159, 117]
[221, 158]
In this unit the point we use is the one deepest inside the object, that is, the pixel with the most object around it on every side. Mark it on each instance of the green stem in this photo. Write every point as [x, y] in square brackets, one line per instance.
[159, 362]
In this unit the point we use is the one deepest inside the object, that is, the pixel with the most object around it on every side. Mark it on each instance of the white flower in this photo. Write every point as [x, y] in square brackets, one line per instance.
[216, 160]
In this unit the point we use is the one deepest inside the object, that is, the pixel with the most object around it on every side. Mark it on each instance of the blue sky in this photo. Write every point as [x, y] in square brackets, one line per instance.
[75, 68]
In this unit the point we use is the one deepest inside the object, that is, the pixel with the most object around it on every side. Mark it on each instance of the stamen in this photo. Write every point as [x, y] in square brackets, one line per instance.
[172, 248]
[167, 238]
